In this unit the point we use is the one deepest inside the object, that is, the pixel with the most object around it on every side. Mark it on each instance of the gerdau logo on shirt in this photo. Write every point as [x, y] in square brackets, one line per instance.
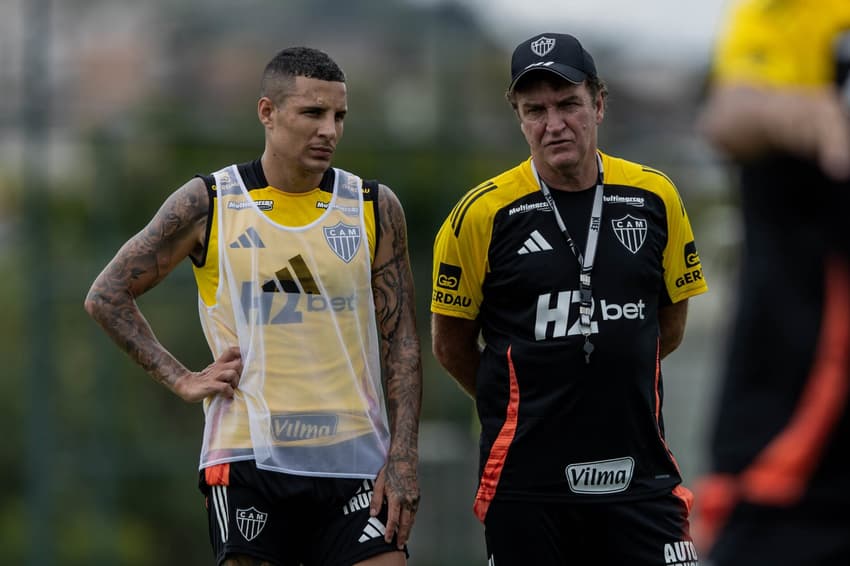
[293, 288]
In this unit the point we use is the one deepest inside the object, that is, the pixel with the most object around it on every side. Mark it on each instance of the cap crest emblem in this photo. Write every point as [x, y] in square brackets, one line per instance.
[542, 46]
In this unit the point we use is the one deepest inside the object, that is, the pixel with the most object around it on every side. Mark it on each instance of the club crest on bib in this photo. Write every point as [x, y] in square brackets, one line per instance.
[343, 239]
[630, 231]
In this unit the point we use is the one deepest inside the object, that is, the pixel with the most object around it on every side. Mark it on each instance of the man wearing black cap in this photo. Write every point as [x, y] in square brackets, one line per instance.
[574, 268]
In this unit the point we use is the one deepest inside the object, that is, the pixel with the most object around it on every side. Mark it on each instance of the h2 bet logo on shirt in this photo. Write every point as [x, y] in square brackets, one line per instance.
[280, 298]
[555, 311]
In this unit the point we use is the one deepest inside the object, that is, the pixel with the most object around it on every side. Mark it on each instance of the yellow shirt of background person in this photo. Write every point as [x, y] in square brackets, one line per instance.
[781, 42]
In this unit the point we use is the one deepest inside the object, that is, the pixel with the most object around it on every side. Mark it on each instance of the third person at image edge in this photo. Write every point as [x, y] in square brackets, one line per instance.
[779, 449]
[558, 288]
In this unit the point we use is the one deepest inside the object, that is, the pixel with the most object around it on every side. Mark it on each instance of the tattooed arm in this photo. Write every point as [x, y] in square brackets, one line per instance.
[176, 231]
[392, 286]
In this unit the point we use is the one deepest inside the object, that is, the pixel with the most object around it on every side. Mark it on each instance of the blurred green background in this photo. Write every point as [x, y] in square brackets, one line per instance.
[108, 106]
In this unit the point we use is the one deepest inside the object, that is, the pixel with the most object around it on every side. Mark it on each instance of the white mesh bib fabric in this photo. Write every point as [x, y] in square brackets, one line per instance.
[298, 303]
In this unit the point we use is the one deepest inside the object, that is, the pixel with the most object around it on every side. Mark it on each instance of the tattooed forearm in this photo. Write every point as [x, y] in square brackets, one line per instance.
[141, 264]
[392, 284]
[111, 304]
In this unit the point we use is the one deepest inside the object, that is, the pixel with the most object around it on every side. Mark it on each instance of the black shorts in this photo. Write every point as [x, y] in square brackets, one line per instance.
[646, 532]
[291, 520]
[778, 536]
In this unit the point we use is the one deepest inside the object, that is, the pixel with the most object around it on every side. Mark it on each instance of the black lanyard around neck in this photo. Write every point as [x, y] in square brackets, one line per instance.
[585, 260]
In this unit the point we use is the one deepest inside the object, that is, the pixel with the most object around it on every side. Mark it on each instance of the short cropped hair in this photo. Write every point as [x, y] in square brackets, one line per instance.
[279, 74]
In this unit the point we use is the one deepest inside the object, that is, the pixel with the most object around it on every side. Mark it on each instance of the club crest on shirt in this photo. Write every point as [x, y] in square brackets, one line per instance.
[343, 239]
[630, 231]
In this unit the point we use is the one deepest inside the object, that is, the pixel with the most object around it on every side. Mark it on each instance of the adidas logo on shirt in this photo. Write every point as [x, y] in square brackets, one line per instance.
[248, 239]
[535, 243]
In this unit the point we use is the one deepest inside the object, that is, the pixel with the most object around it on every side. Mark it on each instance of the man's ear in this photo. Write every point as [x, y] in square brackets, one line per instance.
[265, 108]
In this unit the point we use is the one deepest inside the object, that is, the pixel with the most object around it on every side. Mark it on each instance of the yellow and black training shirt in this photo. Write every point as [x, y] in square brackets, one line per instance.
[553, 426]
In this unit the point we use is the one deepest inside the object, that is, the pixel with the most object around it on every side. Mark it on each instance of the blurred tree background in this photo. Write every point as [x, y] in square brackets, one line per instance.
[108, 106]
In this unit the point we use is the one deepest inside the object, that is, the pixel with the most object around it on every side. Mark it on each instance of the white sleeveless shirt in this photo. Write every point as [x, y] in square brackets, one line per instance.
[298, 303]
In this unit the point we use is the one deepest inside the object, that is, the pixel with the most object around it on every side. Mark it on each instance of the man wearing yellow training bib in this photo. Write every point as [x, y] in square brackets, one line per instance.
[306, 301]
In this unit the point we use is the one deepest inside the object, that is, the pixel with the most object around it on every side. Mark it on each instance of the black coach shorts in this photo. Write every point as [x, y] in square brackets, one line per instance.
[290, 520]
[784, 536]
[647, 532]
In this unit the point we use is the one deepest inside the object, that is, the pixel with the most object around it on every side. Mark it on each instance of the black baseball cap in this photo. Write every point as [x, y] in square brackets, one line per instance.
[558, 53]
